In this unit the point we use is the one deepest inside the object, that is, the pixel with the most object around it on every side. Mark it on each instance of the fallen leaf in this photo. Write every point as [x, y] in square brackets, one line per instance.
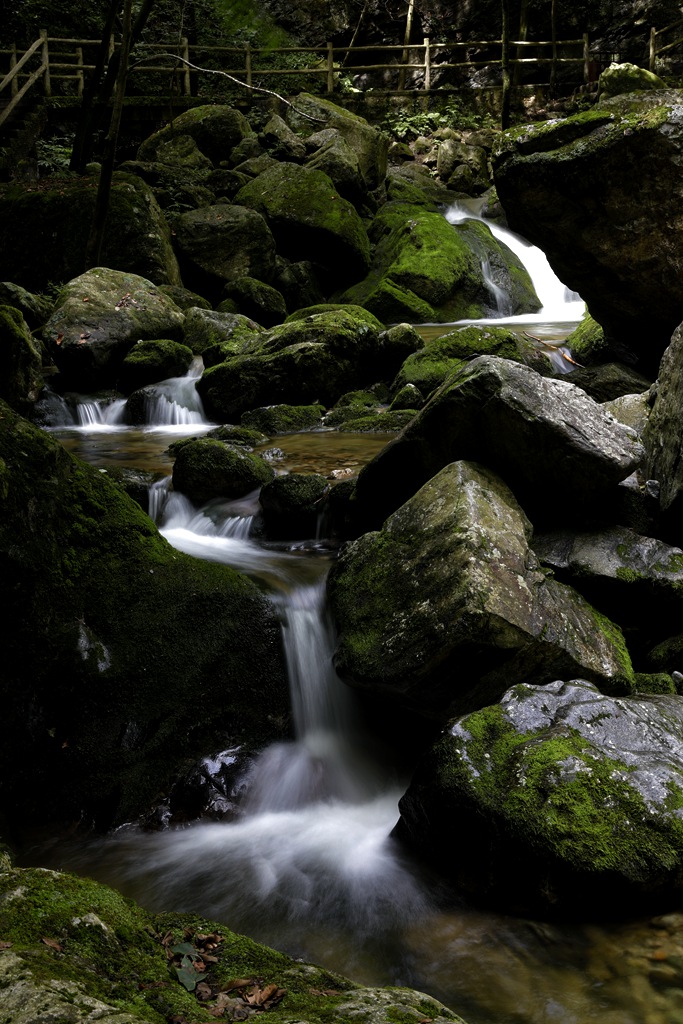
[52, 943]
[5, 945]
[203, 991]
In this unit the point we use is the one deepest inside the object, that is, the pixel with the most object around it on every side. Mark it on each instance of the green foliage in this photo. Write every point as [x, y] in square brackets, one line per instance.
[406, 125]
[54, 154]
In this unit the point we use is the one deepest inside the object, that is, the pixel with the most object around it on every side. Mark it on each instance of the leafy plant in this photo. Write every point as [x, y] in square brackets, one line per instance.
[407, 126]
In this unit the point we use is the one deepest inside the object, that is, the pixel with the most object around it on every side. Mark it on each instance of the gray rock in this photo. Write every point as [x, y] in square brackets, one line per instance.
[663, 435]
[559, 451]
[559, 798]
[446, 606]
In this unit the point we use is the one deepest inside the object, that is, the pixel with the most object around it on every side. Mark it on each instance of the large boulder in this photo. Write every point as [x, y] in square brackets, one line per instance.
[560, 452]
[21, 379]
[601, 194]
[149, 362]
[44, 232]
[75, 950]
[663, 435]
[221, 243]
[207, 468]
[445, 606]
[215, 129]
[98, 318]
[215, 335]
[314, 359]
[114, 670]
[370, 146]
[310, 220]
[427, 270]
[557, 799]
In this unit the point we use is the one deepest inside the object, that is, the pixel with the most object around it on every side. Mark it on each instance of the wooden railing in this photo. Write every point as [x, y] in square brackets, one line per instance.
[657, 45]
[52, 58]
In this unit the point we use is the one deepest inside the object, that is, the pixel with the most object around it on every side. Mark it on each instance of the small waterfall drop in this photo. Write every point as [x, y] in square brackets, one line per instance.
[175, 402]
[559, 304]
[104, 413]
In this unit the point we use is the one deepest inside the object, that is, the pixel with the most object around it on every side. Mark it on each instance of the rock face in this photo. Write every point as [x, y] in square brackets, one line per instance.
[137, 238]
[559, 451]
[108, 945]
[99, 317]
[663, 435]
[445, 606]
[112, 626]
[21, 378]
[559, 798]
[601, 194]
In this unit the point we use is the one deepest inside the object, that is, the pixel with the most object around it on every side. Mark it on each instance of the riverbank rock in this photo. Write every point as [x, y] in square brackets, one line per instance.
[559, 451]
[221, 243]
[600, 192]
[663, 435]
[215, 336]
[151, 361]
[75, 950]
[426, 270]
[311, 221]
[207, 468]
[446, 605]
[570, 801]
[293, 505]
[114, 671]
[305, 361]
[137, 239]
[21, 379]
[98, 318]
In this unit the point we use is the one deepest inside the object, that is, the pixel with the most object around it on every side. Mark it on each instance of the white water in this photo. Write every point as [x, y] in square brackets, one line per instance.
[559, 304]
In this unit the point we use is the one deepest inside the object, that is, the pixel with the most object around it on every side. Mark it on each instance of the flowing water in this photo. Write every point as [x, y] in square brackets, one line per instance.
[309, 865]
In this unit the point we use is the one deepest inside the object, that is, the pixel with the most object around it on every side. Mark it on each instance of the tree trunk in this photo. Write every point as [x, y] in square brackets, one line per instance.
[505, 62]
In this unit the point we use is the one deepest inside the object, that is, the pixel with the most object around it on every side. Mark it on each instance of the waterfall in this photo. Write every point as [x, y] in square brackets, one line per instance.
[559, 304]
[175, 402]
[94, 413]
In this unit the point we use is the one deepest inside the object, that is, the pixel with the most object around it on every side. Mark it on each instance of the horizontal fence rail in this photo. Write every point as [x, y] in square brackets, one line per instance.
[657, 45]
[70, 61]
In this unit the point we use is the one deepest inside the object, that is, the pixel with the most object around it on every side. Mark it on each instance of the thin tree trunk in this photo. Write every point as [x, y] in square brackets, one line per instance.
[94, 246]
[505, 62]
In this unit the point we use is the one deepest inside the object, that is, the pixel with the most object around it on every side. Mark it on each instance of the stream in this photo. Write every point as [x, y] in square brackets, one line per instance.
[308, 866]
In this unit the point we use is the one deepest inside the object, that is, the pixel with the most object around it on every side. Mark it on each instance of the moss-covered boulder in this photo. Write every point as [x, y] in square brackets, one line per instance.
[427, 270]
[293, 505]
[570, 801]
[216, 336]
[310, 221]
[151, 361]
[106, 630]
[98, 318]
[600, 193]
[257, 300]
[428, 368]
[75, 950]
[284, 419]
[445, 607]
[207, 468]
[223, 242]
[526, 427]
[663, 435]
[35, 309]
[44, 232]
[313, 360]
[587, 342]
[21, 379]
[216, 129]
[621, 78]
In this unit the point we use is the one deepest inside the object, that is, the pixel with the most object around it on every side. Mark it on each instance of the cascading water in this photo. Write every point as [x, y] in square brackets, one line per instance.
[176, 402]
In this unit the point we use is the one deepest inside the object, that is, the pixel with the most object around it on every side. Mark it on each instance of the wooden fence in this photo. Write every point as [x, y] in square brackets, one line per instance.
[50, 59]
[659, 46]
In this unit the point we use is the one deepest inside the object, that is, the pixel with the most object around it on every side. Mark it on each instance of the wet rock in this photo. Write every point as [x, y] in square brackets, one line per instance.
[526, 427]
[314, 359]
[663, 435]
[113, 627]
[216, 130]
[206, 468]
[215, 335]
[445, 606]
[292, 505]
[284, 419]
[609, 381]
[261, 302]
[98, 318]
[569, 800]
[600, 193]
[151, 361]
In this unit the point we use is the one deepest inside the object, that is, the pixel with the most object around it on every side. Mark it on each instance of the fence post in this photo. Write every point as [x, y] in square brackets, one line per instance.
[14, 87]
[428, 65]
[187, 82]
[247, 62]
[330, 67]
[47, 86]
[653, 48]
[586, 59]
[79, 73]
